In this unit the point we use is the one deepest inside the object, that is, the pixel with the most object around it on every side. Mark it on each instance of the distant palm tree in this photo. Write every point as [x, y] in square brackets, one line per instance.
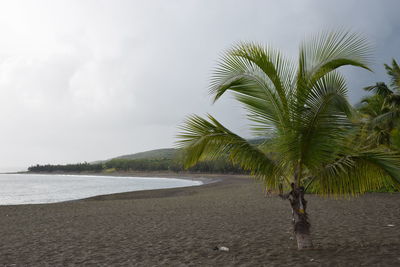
[383, 108]
[394, 73]
[303, 113]
[375, 134]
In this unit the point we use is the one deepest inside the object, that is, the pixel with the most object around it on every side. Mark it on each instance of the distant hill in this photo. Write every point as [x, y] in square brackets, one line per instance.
[169, 153]
[165, 153]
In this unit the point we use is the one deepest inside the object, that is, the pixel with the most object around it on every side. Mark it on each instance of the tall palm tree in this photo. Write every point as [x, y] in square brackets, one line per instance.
[382, 109]
[302, 111]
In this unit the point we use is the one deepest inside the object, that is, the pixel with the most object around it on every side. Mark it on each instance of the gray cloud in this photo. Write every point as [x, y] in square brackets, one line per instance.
[87, 80]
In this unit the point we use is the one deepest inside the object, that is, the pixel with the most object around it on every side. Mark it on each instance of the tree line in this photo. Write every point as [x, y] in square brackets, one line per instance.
[78, 167]
[162, 164]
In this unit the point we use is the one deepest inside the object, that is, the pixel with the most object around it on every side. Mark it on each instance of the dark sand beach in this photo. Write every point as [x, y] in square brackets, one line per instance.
[180, 227]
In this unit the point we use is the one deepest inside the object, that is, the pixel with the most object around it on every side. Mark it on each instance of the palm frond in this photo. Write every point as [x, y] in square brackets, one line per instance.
[324, 120]
[386, 117]
[328, 51]
[272, 63]
[358, 173]
[257, 72]
[379, 89]
[263, 115]
[204, 139]
[372, 106]
[394, 73]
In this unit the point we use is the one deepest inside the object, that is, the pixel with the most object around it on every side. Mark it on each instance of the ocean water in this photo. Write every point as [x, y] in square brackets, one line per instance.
[16, 189]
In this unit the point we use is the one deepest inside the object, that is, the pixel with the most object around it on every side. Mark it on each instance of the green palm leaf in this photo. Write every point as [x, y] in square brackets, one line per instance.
[394, 73]
[208, 139]
[358, 173]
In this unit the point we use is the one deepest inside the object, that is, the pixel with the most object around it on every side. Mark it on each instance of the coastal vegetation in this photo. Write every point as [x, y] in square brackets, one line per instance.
[78, 167]
[314, 140]
[381, 111]
[155, 160]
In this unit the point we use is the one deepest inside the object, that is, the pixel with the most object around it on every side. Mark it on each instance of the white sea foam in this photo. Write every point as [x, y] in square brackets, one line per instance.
[16, 189]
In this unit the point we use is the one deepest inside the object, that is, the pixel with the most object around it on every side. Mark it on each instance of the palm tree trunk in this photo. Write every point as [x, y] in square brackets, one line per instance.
[300, 218]
[301, 224]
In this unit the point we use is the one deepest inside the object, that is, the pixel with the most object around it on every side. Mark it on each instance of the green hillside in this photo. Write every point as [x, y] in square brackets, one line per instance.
[165, 153]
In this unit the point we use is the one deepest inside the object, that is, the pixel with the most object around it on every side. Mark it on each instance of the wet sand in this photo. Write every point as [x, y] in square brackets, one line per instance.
[180, 227]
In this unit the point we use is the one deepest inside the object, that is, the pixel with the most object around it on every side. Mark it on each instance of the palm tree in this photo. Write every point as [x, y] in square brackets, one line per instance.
[394, 73]
[371, 108]
[302, 112]
[382, 109]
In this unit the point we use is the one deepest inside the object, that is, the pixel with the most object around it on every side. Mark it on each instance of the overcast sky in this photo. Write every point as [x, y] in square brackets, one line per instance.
[87, 80]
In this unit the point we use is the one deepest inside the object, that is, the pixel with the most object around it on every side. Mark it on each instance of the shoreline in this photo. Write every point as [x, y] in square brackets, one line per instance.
[144, 174]
[207, 179]
[166, 174]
